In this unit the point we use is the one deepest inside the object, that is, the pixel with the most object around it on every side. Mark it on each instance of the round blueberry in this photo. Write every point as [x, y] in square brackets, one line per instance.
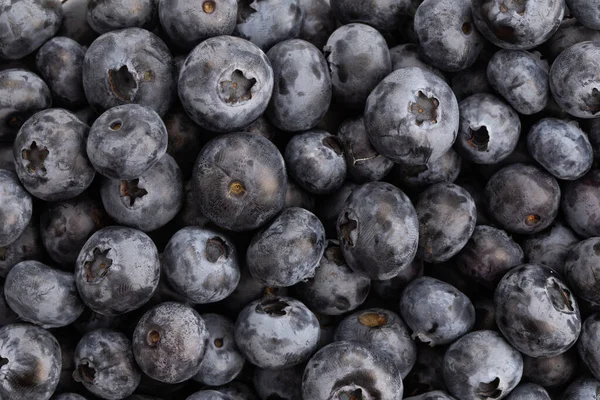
[587, 12]
[110, 15]
[328, 207]
[75, 24]
[528, 391]
[569, 33]
[295, 196]
[588, 344]
[551, 371]
[16, 208]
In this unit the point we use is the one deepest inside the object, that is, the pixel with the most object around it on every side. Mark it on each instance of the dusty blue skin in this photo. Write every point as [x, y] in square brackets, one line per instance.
[536, 311]
[16, 208]
[383, 330]
[276, 332]
[319, 22]
[447, 217]
[50, 157]
[447, 36]
[315, 160]
[528, 391]
[33, 362]
[521, 78]
[117, 270]
[444, 169]
[561, 147]
[407, 55]
[434, 395]
[581, 269]
[169, 342]
[588, 344]
[378, 230]
[222, 361]
[104, 364]
[551, 372]
[358, 59]
[42, 295]
[581, 204]
[129, 66]
[340, 369]
[126, 141]
[436, 312]
[522, 198]
[148, 202]
[110, 15]
[426, 375]
[582, 388]
[328, 207]
[587, 12]
[489, 129]
[383, 16]
[225, 83]
[74, 23]
[201, 265]
[26, 24]
[391, 289]
[22, 93]
[412, 116]
[569, 33]
[573, 81]
[518, 25]
[488, 255]
[482, 365]
[28, 246]
[302, 92]
[550, 247]
[231, 194]
[285, 384]
[60, 63]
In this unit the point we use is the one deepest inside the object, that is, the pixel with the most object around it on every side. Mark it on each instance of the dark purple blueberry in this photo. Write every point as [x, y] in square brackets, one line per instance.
[581, 268]
[586, 11]
[328, 207]
[391, 289]
[470, 81]
[550, 247]
[16, 208]
[285, 384]
[75, 24]
[426, 375]
[588, 344]
[551, 371]
[528, 391]
[295, 196]
[319, 22]
[569, 33]
[407, 55]
[28, 246]
[444, 169]
[581, 204]
[582, 388]
[110, 15]
[383, 16]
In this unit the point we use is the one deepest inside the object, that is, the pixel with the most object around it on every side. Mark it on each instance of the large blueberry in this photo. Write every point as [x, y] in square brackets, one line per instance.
[16, 208]
[569, 33]
[384, 16]
[586, 11]
[74, 23]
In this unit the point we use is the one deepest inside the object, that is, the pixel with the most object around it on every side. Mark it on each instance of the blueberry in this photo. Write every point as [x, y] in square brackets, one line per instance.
[482, 365]
[569, 33]
[528, 391]
[447, 217]
[383, 16]
[225, 83]
[587, 12]
[315, 159]
[117, 270]
[488, 255]
[536, 312]
[582, 388]
[328, 207]
[169, 342]
[522, 198]
[110, 15]
[237, 390]
[69, 396]
[550, 247]
[444, 169]
[50, 157]
[276, 332]
[359, 59]
[26, 25]
[319, 22]
[391, 289]
[580, 204]
[75, 24]
[22, 93]
[200, 264]
[587, 345]
[285, 384]
[16, 208]
[129, 66]
[581, 267]
[239, 181]
[104, 364]
[381, 329]
[295, 196]
[407, 55]
[551, 371]
[302, 91]
[378, 230]
[426, 375]
[343, 370]
[208, 395]
[412, 116]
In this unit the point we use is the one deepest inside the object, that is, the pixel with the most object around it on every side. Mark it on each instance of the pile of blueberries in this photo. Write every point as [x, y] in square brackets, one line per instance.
[300, 199]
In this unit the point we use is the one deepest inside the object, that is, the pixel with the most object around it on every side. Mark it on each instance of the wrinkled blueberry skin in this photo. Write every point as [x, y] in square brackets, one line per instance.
[50, 157]
[482, 365]
[581, 204]
[209, 395]
[436, 312]
[16, 208]
[285, 384]
[383, 330]
[240, 181]
[334, 289]
[302, 94]
[129, 66]
[407, 55]
[104, 364]
[384, 16]
[588, 344]
[74, 23]
[433, 395]
[201, 264]
[169, 342]
[28, 246]
[378, 230]
[42, 295]
[60, 63]
[149, 201]
[359, 59]
[444, 169]
[569, 33]
[587, 12]
[33, 363]
[276, 332]
[338, 369]
[124, 278]
[329, 207]
[447, 37]
[447, 217]
[518, 25]
[550, 247]
[110, 15]
[528, 391]
[126, 141]
[536, 312]
[551, 371]
[582, 388]
[573, 81]
[521, 78]
[488, 255]
[315, 160]
[22, 93]
[244, 82]
[391, 289]
[363, 163]
[426, 375]
[489, 129]
[26, 25]
[581, 268]
[189, 22]
[222, 361]
[295, 196]
[396, 127]
[319, 22]
[522, 198]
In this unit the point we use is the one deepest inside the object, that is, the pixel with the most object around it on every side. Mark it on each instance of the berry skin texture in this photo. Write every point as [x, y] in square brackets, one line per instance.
[587, 345]
[528, 391]
[581, 268]
[16, 208]
[582, 388]
[581, 204]
[551, 372]
[28, 246]
[110, 15]
[587, 12]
